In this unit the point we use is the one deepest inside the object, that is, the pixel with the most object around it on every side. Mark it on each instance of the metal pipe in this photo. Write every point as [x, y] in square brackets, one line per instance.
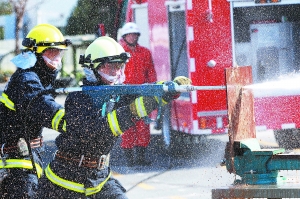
[139, 89]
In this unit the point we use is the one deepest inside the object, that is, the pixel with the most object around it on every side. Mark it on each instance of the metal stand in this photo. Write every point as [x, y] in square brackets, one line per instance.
[257, 191]
[258, 168]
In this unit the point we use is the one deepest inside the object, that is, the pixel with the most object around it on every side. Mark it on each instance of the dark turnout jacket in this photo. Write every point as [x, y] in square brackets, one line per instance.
[88, 130]
[31, 109]
[93, 124]
[26, 107]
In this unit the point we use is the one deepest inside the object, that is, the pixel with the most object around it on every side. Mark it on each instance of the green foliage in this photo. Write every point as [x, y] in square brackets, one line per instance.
[5, 75]
[89, 13]
[1, 33]
[5, 8]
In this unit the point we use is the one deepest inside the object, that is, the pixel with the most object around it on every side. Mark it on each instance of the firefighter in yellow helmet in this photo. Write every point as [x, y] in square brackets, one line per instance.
[26, 107]
[80, 168]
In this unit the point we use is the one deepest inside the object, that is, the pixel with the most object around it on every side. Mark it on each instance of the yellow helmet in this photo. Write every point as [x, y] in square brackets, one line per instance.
[103, 49]
[45, 36]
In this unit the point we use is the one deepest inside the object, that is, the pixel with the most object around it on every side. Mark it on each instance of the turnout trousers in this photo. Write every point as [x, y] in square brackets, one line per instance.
[88, 177]
[21, 182]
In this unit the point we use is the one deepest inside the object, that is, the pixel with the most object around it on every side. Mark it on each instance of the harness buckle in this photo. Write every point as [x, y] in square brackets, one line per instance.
[23, 148]
[3, 156]
[81, 159]
[101, 162]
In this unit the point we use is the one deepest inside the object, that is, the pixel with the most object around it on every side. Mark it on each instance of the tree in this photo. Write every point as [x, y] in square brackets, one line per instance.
[5, 8]
[89, 13]
[19, 9]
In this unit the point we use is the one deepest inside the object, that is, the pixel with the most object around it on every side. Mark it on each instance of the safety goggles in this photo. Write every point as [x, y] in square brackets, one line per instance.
[29, 43]
[67, 42]
[122, 58]
[53, 53]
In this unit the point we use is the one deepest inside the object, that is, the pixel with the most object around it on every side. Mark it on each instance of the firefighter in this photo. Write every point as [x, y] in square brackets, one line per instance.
[26, 107]
[139, 70]
[94, 122]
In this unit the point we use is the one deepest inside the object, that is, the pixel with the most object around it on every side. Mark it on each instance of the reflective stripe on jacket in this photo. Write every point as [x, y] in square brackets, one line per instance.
[7, 102]
[74, 186]
[20, 164]
[27, 104]
[114, 124]
[56, 120]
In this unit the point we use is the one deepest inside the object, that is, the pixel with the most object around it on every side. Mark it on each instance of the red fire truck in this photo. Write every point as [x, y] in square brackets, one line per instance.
[200, 38]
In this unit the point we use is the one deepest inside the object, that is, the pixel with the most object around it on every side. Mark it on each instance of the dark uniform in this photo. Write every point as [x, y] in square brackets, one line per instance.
[89, 136]
[23, 114]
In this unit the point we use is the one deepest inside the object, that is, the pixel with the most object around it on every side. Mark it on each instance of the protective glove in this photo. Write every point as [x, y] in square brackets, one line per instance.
[143, 106]
[180, 80]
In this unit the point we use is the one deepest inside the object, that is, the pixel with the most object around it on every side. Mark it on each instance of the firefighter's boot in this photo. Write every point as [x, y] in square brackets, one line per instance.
[141, 159]
[129, 155]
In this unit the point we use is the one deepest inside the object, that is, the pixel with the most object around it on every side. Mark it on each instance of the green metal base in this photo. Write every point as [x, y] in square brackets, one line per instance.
[263, 179]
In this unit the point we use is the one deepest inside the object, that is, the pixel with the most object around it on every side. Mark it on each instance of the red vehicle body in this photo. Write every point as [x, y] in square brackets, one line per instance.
[200, 38]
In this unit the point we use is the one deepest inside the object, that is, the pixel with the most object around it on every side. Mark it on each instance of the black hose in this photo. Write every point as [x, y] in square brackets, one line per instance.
[153, 176]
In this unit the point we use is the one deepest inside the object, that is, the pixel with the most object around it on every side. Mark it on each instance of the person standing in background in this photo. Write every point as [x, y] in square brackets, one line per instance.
[139, 70]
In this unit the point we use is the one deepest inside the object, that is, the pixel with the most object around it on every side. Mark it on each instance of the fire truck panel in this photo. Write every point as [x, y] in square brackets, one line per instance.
[200, 38]
[267, 37]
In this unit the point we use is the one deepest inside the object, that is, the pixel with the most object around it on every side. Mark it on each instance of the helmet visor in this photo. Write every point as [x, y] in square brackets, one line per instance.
[65, 43]
[122, 58]
[42, 46]
[53, 57]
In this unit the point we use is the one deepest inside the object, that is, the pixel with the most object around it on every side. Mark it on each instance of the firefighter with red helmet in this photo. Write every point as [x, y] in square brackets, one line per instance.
[139, 70]
[26, 107]
[94, 122]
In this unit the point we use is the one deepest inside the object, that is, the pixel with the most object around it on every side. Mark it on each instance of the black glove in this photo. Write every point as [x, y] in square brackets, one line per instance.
[143, 106]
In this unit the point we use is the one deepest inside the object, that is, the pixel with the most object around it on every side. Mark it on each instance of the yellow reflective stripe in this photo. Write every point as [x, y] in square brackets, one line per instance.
[140, 108]
[113, 123]
[62, 182]
[21, 164]
[74, 186]
[156, 98]
[7, 102]
[162, 100]
[93, 190]
[57, 118]
[64, 127]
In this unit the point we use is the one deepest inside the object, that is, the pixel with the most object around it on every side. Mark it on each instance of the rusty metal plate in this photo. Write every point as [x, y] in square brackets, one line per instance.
[240, 104]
